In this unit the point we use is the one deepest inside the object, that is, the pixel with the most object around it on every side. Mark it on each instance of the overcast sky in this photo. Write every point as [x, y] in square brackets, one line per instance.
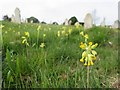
[59, 10]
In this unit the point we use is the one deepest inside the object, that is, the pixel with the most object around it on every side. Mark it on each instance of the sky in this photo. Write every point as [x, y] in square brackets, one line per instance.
[59, 10]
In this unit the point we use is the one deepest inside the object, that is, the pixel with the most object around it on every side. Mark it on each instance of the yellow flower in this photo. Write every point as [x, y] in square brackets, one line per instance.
[86, 36]
[58, 34]
[94, 52]
[90, 43]
[24, 40]
[69, 31]
[94, 46]
[85, 64]
[81, 33]
[81, 60]
[77, 25]
[42, 45]
[1, 26]
[23, 37]
[27, 34]
[91, 62]
[83, 45]
[18, 33]
[84, 54]
[44, 35]
[88, 63]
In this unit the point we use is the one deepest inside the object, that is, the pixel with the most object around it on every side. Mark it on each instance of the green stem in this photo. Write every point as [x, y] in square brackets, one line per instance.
[87, 76]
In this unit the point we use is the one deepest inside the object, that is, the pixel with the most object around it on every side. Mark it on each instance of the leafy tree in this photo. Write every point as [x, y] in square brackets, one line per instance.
[55, 23]
[6, 18]
[43, 22]
[33, 20]
[73, 20]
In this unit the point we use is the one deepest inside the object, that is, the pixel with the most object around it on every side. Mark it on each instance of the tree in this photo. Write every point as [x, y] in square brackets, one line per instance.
[55, 23]
[6, 18]
[73, 20]
[33, 20]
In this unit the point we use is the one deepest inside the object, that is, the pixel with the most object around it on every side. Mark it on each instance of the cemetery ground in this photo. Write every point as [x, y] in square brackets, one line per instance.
[48, 56]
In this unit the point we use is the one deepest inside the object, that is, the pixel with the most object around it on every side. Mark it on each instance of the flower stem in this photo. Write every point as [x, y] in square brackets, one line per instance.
[87, 76]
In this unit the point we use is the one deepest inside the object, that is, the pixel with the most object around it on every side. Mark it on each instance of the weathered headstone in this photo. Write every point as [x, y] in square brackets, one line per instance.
[17, 16]
[88, 21]
[69, 22]
[31, 21]
[66, 22]
[116, 24]
[103, 23]
[26, 21]
[13, 18]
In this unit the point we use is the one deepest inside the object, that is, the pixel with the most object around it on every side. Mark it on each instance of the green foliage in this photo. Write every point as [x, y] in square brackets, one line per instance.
[56, 65]
[33, 20]
[6, 18]
[73, 20]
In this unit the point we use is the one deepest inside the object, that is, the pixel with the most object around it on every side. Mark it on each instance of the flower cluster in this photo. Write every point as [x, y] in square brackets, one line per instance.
[25, 38]
[89, 54]
[64, 32]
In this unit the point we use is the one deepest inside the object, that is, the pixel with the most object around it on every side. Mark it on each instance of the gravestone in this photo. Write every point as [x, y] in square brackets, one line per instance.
[26, 21]
[88, 21]
[13, 18]
[69, 22]
[66, 22]
[116, 24]
[103, 23]
[17, 15]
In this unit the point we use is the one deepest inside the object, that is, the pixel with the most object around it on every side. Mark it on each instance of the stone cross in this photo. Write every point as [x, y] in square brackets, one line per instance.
[88, 21]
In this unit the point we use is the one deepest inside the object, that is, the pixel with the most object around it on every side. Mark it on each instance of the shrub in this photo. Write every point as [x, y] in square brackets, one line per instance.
[73, 20]
[33, 20]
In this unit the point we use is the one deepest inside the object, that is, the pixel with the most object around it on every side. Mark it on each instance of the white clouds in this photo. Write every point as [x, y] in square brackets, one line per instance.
[58, 10]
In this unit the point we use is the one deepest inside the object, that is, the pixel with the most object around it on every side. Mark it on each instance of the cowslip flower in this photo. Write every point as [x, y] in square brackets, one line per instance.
[24, 41]
[89, 54]
[44, 35]
[77, 25]
[27, 34]
[69, 31]
[1, 26]
[86, 36]
[42, 45]
[58, 34]
[81, 33]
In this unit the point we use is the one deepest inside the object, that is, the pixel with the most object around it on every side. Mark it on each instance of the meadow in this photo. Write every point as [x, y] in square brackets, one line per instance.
[48, 56]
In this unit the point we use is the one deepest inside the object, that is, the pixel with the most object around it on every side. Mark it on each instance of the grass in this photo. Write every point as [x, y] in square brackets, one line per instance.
[56, 65]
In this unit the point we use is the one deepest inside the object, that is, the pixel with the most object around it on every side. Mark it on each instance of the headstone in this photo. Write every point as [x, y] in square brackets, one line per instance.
[66, 22]
[103, 23]
[17, 16]
[26, 21]
[88, 21]
[116, 24]
[31, 21]
[69, 22]
[13, 18]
